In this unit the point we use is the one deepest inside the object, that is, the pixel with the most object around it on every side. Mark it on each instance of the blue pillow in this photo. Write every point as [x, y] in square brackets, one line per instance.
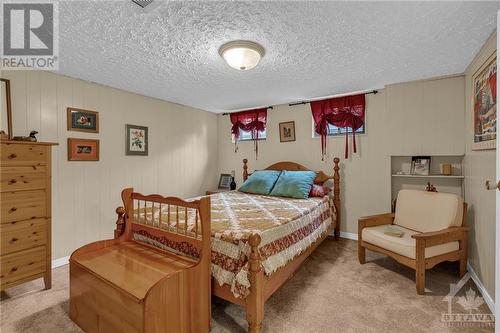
[260, 182]
[294, 184]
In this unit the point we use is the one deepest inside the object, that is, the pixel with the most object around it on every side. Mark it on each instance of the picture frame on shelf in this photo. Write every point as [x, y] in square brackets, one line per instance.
[136, 140]
[420, 165]
[82, 120]
[83, 149]
[225, 181]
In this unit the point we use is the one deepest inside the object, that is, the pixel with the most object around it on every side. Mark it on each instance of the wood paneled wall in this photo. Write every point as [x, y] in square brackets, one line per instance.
[182, 157]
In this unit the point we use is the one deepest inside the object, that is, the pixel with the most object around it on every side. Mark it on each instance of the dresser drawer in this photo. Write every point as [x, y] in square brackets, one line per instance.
[23, 154]
[22, 235]
[22, 178]
[21, 266]
[18, 206]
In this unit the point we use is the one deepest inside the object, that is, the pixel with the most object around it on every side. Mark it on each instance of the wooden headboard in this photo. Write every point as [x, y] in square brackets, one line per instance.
[321, 177]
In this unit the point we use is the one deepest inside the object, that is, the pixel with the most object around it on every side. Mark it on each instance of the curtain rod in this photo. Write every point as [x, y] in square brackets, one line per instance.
[340, 95]
[228, 113]
[312, 100]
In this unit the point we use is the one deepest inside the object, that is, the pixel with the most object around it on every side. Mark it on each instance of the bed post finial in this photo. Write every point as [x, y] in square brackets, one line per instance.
[245, 169]
[336, 194]
[255, 301]
[120, 222]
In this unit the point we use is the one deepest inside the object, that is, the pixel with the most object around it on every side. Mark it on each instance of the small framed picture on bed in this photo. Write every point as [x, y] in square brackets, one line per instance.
[225, 181]
[137, 140]
[287, 131]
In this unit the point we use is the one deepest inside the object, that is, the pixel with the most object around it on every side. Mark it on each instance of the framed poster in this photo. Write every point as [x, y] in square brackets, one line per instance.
[137, 140]
[484, 105]
[287, 131]
[83, 149]
[82, 120]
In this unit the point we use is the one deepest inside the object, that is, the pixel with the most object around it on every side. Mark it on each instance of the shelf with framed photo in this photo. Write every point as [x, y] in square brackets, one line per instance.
[445, 172]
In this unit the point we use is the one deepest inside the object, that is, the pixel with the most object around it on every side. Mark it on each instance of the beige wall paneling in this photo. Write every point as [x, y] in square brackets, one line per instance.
[182, 157]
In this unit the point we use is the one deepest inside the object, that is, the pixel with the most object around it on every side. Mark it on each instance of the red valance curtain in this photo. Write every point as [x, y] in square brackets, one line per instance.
[253, 121]
[344, 112]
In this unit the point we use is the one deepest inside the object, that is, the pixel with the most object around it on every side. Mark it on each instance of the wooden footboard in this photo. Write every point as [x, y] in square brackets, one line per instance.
[141, 281]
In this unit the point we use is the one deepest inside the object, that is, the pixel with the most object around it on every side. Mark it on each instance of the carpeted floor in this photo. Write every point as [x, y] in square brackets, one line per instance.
[331, 292]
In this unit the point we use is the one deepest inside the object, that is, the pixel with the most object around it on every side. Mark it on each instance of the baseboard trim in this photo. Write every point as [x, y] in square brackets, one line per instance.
[486, 296]
[60, 262]
[348, 235]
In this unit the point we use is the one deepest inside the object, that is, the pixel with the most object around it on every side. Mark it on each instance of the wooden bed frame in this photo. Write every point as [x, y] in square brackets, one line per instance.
[262, 286]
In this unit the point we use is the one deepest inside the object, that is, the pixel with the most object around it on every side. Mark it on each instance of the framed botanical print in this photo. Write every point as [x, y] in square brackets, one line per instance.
[82, 120]
[484, 105]
[137, 140]
[287, 131]
[83, 149]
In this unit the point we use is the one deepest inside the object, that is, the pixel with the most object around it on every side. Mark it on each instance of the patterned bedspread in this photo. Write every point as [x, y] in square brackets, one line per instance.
[287, 227]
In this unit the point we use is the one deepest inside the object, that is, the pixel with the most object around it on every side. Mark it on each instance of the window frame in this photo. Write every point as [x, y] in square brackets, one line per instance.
[349, 131]
[250, 139]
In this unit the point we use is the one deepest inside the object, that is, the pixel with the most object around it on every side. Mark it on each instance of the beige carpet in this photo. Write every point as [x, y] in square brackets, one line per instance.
[332, 292]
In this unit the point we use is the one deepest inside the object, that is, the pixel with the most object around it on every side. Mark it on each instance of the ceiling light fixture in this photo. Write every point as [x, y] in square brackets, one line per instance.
[242, 54]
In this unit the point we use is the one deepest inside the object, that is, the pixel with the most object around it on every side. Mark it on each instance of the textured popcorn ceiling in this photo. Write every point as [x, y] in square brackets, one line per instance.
[312, 48]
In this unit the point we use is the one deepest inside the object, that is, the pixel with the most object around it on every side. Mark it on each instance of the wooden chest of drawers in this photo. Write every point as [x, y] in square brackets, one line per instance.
[25, 210]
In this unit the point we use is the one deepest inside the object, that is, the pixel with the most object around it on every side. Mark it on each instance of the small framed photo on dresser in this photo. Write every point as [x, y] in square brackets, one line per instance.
[81, 120]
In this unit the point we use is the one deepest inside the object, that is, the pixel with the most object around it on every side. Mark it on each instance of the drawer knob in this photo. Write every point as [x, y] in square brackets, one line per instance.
[13, 240]
[13, 209]
[12, 181]
[13, 269]
[11, 156]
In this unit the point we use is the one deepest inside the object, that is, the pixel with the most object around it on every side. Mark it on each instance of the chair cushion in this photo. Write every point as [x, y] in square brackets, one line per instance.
[428, 211]
[294, 184]
[404, 245]
[260, 182]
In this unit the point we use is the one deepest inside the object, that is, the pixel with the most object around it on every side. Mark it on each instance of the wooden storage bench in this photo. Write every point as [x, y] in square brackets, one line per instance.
[125, 285]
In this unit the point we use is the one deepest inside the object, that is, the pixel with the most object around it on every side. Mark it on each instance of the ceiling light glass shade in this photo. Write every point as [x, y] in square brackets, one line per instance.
[242, 54]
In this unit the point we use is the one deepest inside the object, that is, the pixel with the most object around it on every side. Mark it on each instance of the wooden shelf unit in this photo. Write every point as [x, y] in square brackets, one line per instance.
[448, 184]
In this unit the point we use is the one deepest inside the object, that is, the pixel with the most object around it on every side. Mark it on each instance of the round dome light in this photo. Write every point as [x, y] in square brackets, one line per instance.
[242, 54]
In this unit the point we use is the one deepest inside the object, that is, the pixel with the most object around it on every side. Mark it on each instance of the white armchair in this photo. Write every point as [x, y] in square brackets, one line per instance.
[433, 226]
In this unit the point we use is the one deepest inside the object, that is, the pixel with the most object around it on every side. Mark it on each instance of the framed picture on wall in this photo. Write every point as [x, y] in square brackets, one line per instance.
[136, 140]
[484, 105]
[83, 149]
[82, 120]
[287, 131]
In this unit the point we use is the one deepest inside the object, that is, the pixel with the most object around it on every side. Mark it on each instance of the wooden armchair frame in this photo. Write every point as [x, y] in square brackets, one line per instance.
[423, 240]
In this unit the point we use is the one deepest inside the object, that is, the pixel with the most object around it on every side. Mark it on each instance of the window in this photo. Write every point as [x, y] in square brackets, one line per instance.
[334, 130]
[247, 136]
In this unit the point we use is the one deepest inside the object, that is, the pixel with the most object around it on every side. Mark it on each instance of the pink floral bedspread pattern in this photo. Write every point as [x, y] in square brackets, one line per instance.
[287, 228]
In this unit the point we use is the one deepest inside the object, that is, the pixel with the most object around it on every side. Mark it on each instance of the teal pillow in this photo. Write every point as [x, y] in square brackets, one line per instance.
[260, 182]
[294, 184]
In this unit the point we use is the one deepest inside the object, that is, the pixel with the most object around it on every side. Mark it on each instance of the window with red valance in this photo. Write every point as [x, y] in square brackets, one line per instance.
[253, 121]
[343, 112]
